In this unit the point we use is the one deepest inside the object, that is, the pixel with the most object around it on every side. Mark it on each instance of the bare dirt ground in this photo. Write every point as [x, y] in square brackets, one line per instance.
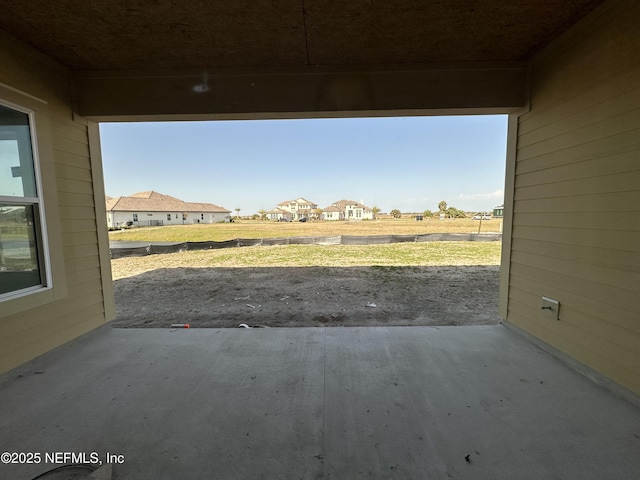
[309, 296]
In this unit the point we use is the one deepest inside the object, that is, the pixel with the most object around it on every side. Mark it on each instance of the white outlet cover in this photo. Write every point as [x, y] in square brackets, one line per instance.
[550, 307]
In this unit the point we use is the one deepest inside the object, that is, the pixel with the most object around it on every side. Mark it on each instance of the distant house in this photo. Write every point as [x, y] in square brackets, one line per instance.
[300, 208]
[332, 213]
[347, 210]
[151, 208]
[498, 211]
[279, 214]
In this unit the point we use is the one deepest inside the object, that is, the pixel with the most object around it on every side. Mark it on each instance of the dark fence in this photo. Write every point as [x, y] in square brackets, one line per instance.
[137, 250]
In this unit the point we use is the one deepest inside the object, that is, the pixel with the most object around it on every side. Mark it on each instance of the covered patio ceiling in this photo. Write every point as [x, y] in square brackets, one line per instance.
[125, 34]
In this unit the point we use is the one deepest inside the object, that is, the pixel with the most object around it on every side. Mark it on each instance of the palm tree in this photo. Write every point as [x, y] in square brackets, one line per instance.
[263, 214]
[237, 212]
[442, 206]
[375, 210]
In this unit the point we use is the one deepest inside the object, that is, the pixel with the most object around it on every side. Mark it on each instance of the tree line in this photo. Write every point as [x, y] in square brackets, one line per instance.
[443, 209]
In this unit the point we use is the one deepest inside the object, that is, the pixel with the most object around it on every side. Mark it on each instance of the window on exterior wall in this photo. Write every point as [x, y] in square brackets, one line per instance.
[22, 242]
[135, 217]
[169, 216]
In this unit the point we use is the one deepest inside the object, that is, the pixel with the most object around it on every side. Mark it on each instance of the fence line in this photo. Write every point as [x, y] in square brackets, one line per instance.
[151, 248]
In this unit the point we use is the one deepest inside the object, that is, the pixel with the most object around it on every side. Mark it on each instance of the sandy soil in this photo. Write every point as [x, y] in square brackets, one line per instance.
[309, 296]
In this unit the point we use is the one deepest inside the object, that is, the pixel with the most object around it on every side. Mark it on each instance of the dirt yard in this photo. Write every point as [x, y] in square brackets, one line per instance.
[309, 296]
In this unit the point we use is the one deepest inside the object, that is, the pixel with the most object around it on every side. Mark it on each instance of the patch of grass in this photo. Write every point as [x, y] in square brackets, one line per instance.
[256, 229]
[387, 258]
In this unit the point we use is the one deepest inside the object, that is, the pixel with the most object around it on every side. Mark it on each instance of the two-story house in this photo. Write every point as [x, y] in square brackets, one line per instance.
[296, 209]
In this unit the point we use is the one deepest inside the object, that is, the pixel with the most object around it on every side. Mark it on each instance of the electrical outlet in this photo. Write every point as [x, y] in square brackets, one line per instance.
[550, 307]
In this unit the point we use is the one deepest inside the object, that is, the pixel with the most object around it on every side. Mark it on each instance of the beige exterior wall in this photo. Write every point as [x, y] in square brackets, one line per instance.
[81, 295]
[576, 211]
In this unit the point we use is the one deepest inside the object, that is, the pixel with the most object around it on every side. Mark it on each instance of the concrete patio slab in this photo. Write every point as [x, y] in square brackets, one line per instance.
[476, 402]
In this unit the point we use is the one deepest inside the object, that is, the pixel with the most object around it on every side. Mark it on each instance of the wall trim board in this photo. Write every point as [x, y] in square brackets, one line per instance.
[93, 131]
[299, 92]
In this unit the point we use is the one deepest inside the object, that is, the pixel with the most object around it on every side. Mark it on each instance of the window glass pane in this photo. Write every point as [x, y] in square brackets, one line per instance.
[17, 178]
[19, 264]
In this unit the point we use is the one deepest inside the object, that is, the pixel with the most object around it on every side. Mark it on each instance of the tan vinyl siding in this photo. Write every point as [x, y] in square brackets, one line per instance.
[72, 160]
[80, 307]
[576, 211]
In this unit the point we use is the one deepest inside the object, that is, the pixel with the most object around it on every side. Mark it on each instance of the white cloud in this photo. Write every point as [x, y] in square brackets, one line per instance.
[498, 194]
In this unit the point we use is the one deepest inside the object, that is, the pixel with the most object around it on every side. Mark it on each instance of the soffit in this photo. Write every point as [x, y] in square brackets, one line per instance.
[133, 34]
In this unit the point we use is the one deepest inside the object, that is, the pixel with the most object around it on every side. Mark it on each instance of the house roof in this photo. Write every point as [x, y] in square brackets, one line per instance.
[343, 203]
[331, 208]
[299, 201]
[205, 207]
[151, 201]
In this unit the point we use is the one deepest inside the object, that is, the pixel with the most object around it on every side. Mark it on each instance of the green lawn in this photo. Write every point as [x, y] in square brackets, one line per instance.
[390, 255]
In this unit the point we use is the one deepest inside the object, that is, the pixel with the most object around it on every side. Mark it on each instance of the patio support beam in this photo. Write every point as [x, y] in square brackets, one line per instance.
[301, 92]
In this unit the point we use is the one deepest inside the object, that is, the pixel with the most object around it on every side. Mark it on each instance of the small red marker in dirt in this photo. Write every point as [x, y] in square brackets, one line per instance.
[180, 325]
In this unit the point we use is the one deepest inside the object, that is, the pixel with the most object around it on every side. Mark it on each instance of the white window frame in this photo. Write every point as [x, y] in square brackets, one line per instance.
[42, 239]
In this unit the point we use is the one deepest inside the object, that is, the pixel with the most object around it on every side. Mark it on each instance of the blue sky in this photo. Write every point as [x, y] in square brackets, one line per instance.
[408, 163]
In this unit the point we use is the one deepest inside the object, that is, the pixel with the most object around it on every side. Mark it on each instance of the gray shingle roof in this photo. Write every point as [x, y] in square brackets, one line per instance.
[151, 201]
